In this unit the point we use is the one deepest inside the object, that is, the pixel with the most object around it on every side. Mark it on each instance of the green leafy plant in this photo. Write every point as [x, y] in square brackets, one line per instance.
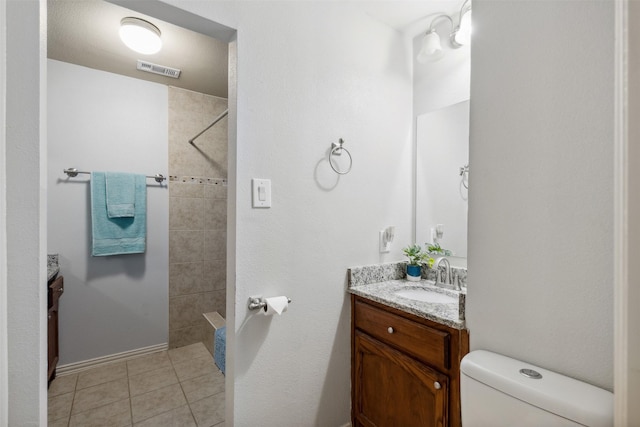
[416, 256]
[436, 249]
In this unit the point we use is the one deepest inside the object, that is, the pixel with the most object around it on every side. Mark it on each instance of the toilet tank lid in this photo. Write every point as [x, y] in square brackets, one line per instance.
[569, 398]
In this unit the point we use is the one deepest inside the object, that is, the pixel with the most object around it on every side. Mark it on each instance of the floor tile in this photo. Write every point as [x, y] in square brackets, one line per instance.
[101, 375]
[59, 406]
[179, 417]
[62, 422]
[209, 411]
[188, 352]
[148, 363]
[152, 380]
[63, 384]
[116, 414]
[195, 368]
[200, 387]
[219, 425]
[100, 395]
[156, 402]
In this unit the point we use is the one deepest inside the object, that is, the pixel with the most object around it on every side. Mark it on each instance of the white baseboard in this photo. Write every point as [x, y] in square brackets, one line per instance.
[74, 368]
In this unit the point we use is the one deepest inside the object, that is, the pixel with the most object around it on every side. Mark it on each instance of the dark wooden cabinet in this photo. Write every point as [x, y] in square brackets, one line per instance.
[55, 290]
[405, 369]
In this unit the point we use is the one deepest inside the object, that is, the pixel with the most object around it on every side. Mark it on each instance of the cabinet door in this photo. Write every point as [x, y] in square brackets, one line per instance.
[55, 291]
[395, 390]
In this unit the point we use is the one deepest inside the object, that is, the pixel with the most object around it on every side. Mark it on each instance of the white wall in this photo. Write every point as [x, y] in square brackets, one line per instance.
[541, 193]
[628, 355]
[100, 121]
[309, 73]
[26, 164]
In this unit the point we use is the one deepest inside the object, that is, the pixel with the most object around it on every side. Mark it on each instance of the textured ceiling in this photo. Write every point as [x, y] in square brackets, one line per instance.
[85, 32]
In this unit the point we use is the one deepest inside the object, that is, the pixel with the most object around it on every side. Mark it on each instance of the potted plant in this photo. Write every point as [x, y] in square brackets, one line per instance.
[416, 259]
[435, 249]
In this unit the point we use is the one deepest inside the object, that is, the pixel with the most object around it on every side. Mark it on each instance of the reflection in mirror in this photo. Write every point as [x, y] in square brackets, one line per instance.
[441, 189]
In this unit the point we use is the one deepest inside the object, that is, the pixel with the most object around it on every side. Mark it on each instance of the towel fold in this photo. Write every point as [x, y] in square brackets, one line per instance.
[220, 347]
[116, 236]
[121, 194]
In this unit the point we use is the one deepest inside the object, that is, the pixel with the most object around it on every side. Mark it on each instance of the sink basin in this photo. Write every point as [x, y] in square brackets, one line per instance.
[426, 295]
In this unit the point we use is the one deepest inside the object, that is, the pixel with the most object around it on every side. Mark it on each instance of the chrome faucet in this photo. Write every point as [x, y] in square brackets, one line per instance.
[447, 271]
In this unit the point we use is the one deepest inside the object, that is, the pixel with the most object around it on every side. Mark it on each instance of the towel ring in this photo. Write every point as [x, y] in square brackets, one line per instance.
[336, 150]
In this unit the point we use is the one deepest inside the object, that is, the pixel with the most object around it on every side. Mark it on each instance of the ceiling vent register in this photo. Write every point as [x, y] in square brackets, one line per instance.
[158, 69]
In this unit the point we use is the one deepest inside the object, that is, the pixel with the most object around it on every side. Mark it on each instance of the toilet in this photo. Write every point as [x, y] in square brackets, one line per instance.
[497, 391]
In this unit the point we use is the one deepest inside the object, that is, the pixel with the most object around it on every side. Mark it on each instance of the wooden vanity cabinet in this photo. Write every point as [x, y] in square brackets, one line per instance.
[404, 369]
[55, 289]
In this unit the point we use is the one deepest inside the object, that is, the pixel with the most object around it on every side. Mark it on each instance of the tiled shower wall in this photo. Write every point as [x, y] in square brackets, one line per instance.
[197, 214]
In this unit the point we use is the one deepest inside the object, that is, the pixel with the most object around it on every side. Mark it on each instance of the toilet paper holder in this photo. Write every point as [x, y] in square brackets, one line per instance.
[257, 303]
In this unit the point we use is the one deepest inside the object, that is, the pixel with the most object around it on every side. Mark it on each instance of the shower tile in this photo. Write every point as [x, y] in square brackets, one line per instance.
[101, 375]
[185, 160]
[62, 384]
[186, 310]
[185, 336]
[210, 410]
[189, 352]
[195, 367]
[186, 278]
[180, 189]
[152, 380]
[157, 402]
[186, 101]
[215, 274]
[116, 414]
[179, 417]
[215, 217]
[147, 363]
[215, 244]
[214, 301]
[100, 395]
[185, 246]
[200, 387]
[216, 191]
[59, 406]
[186, 213]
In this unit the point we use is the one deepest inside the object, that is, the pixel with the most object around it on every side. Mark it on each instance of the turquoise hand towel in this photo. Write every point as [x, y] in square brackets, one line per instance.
[116, 236]
[121, 193]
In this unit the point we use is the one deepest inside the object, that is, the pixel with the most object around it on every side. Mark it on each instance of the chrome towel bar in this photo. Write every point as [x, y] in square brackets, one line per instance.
[73, 172]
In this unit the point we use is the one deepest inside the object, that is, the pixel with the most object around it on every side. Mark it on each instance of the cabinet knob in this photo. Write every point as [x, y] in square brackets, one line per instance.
[390, 330]
[437, 385]
[49, 317]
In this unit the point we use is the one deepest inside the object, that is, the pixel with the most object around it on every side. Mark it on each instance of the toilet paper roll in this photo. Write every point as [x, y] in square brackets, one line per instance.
[276, 305]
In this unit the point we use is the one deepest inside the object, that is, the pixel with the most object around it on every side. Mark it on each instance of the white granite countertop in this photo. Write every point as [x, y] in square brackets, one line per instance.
[53, 268]
[449, 314]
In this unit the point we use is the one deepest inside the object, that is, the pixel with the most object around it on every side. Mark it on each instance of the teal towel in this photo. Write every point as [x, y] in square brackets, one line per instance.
[121, 194]
[220, 347]
[116, 236]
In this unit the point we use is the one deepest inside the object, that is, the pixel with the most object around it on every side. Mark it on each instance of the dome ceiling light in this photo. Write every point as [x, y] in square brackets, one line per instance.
[140, 35]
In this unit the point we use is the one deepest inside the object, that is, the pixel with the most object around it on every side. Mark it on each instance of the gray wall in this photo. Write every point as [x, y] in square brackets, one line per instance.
[100, 121]
[541, 186]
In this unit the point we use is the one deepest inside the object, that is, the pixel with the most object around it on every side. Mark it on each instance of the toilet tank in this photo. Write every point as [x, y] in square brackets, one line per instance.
[494, 393]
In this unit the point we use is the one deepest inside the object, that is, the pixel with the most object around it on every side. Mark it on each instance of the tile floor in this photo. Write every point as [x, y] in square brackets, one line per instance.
[176, 388]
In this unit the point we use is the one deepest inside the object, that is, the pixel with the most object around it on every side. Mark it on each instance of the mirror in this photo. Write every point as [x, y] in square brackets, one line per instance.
[441, 179]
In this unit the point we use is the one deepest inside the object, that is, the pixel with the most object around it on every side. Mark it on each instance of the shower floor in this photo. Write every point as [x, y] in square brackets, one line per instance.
[179, 387]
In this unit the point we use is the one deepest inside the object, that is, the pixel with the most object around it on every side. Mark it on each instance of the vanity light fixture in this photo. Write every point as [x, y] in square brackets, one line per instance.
[140, 35]
[460, 34]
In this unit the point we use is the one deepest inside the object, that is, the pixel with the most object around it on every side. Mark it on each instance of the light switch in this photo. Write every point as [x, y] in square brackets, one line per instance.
[261, 192]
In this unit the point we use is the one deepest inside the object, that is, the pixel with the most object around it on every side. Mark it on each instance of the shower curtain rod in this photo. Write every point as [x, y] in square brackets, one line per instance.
[220, 117]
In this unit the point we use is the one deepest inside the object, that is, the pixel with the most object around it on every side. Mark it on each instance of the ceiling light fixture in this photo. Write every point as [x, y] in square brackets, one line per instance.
[460, 35]
[140, 35]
